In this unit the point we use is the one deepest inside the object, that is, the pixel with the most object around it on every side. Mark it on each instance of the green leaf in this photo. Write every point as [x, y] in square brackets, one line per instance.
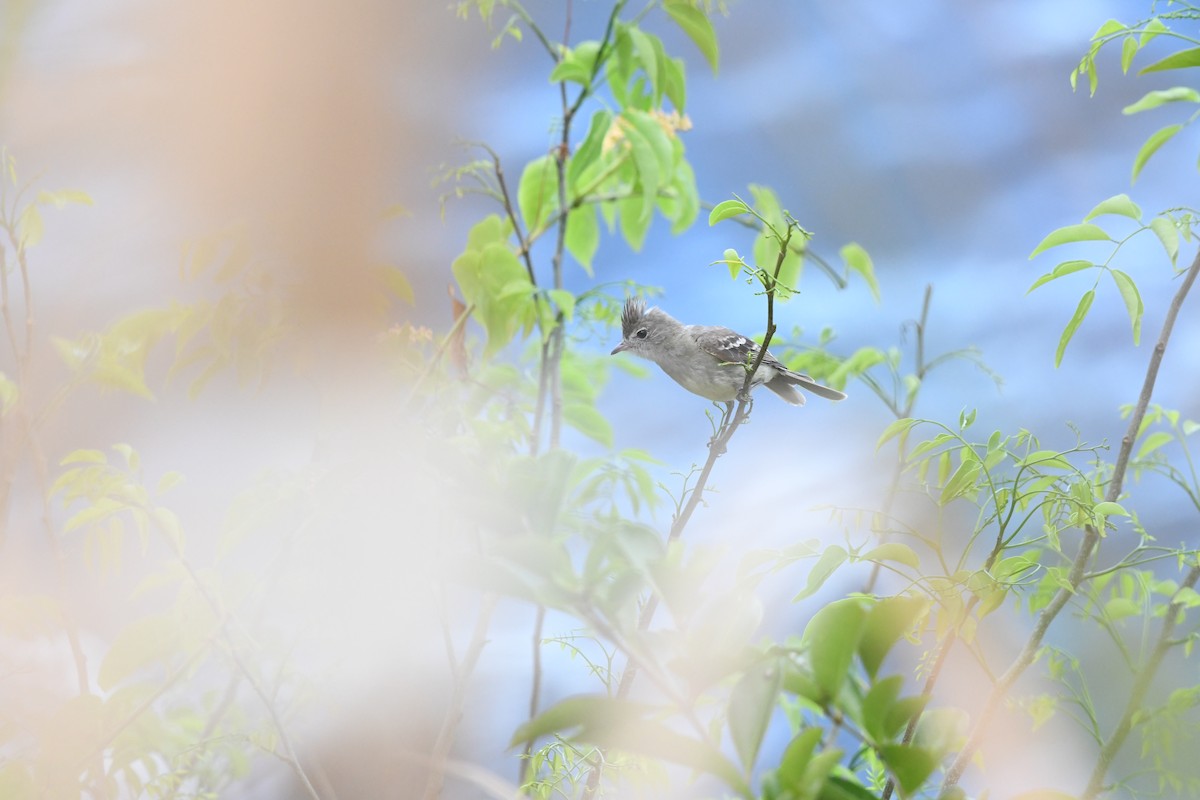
[830, 560]
[1133, 302]
[911, 765]
[893, 551]
[583, 236]
[1158, 97]
[1181, 60]
[857, 260]
[1152, 443]
[733, 261]
[1168, 234]
[751, 704]
[726, 209]
[537, 193]
[1156, 140]
[1065, 268]
[1072, 233]
[832, 637]
[1081, 311]
[898, 427]
[1117, 204]
[695, 24]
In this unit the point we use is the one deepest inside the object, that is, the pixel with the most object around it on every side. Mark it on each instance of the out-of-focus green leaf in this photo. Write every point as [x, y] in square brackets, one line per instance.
[833, 557]
[589, 151]
[537, 193]
[832, 637]
[586, 419]
[962, 482]
[911, 765]
[138, 645]
[893, 551]
[895, 429]
[1153, 442]
[577, 65]
[583, 236]
[751, 704]
[697, 26]
[857, 260]
[888, 620]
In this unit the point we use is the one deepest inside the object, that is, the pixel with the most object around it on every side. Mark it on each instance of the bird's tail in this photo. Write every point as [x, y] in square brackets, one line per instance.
[809, 385]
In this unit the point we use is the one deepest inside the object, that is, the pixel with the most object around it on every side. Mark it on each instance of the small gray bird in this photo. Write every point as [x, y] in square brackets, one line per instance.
[708, 360]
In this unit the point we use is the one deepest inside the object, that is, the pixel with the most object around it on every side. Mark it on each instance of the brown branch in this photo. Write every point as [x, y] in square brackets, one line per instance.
[730, 422]
[1086, 548]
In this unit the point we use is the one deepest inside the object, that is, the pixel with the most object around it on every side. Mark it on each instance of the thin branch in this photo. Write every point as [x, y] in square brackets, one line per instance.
[1141, 685]
[1086, 548]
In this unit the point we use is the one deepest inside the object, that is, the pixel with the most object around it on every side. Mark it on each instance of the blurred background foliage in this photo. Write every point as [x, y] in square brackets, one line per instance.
[317, 479]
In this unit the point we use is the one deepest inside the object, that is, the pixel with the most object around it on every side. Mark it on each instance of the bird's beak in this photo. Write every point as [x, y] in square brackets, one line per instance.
[619, 348]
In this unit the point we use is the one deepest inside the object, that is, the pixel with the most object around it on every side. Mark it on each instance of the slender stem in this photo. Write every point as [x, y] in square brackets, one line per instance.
[447, 734]
[535, 688]
[1090, 539]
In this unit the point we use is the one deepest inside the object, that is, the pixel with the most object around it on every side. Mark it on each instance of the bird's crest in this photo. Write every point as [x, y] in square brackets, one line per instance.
[631, 315]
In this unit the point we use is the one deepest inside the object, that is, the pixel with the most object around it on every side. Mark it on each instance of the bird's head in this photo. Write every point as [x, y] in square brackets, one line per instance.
[643, 329]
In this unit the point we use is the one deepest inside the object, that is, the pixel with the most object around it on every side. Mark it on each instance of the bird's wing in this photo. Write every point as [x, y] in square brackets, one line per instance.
[725, 345]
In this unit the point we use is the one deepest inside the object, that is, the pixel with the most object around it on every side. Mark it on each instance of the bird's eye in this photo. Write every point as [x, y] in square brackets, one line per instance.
[641, 334]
